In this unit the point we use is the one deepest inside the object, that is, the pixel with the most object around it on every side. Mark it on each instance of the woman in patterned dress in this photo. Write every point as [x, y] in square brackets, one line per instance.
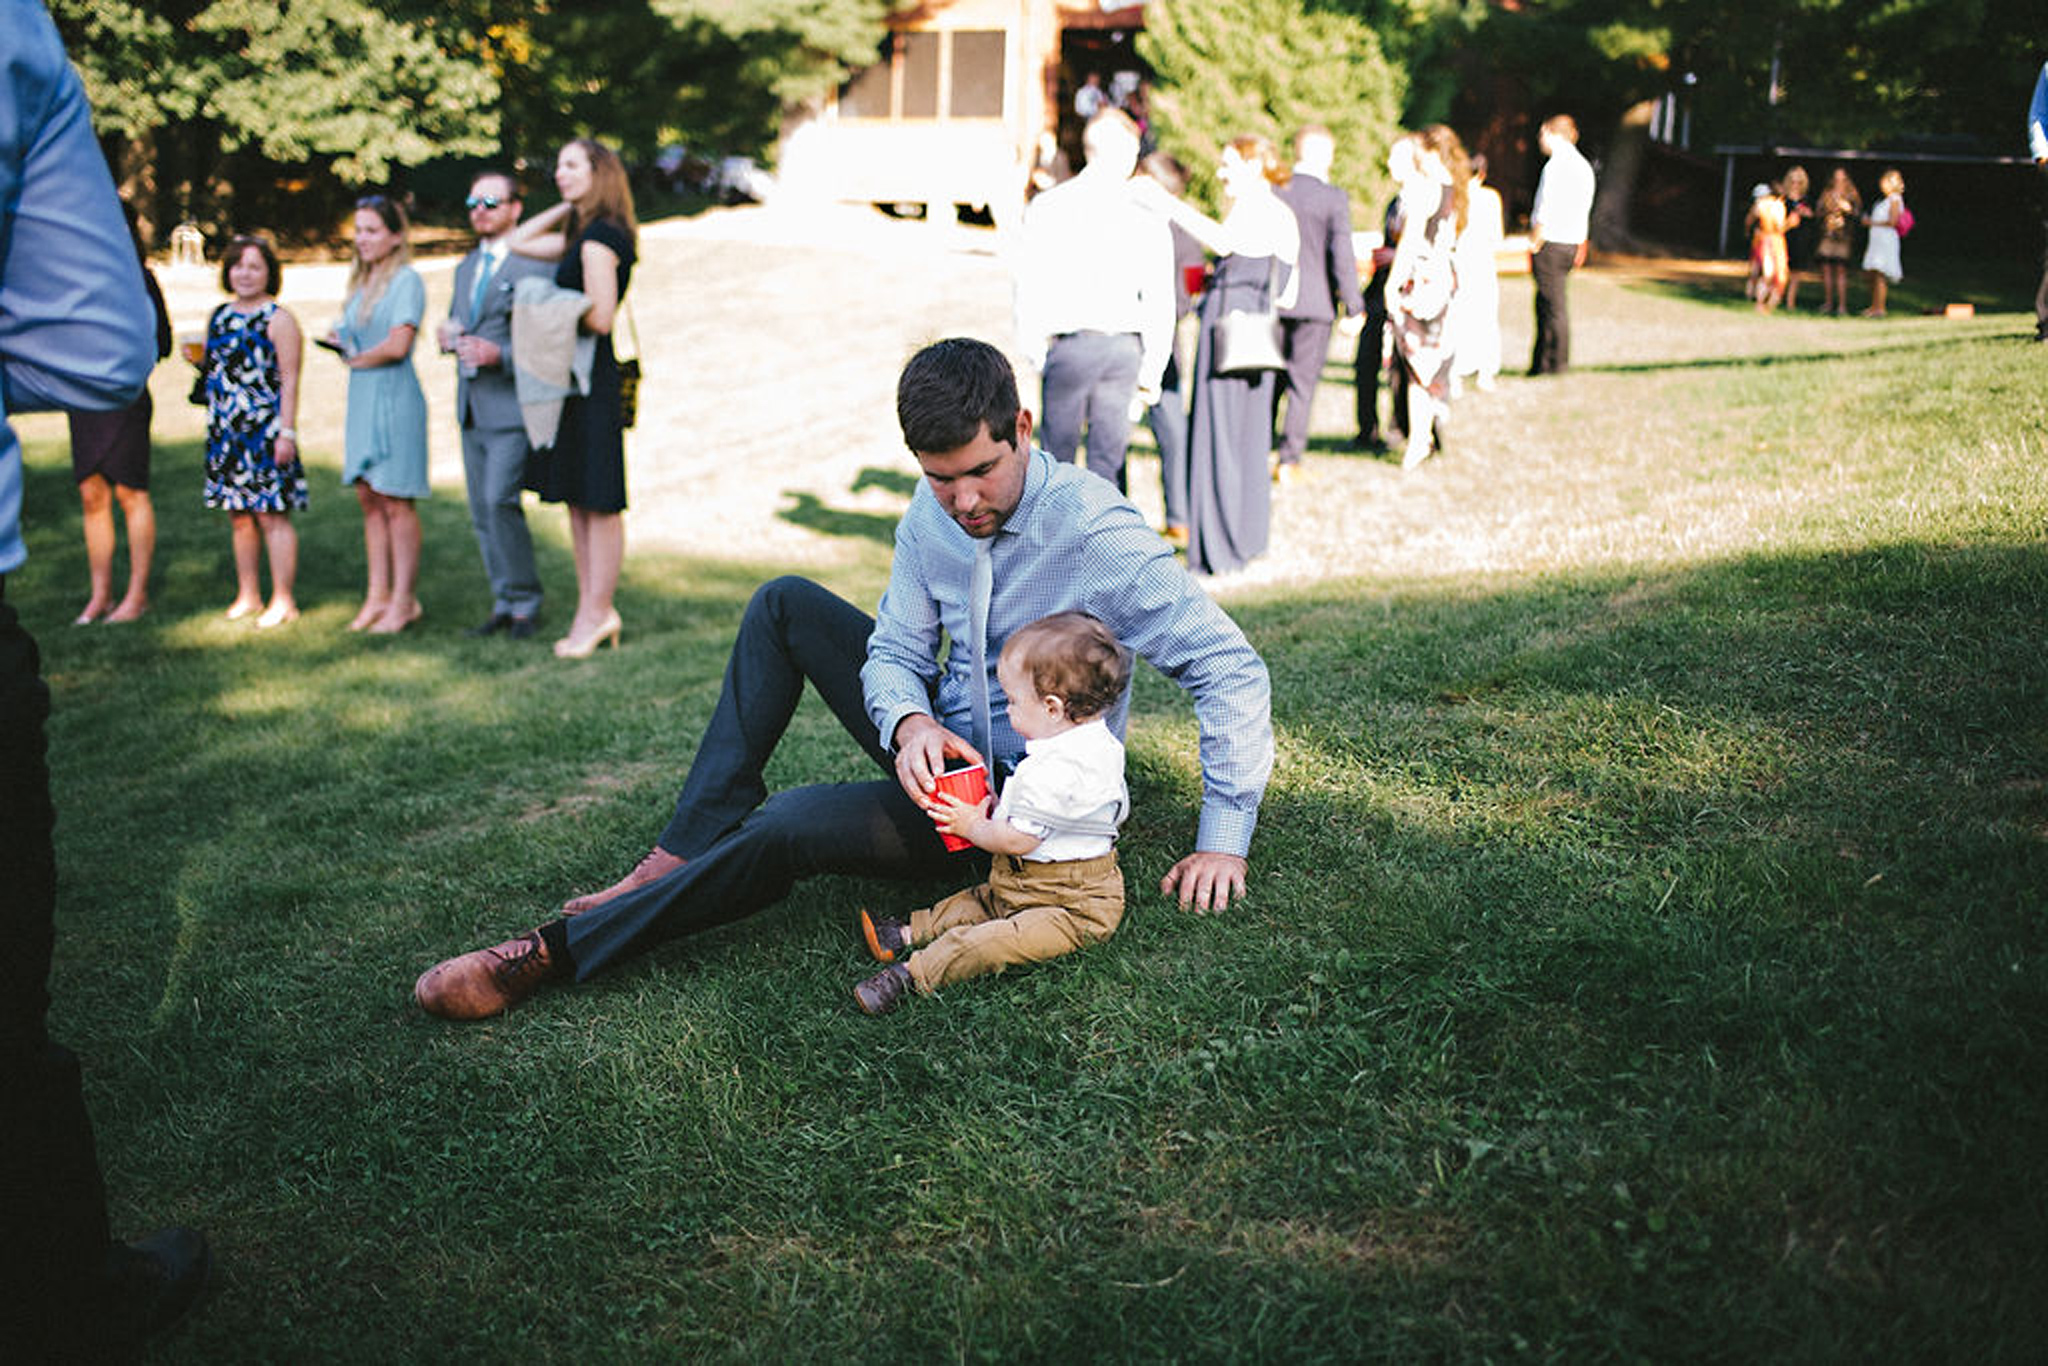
[384, 449]
[251, 379]
[1434, 176]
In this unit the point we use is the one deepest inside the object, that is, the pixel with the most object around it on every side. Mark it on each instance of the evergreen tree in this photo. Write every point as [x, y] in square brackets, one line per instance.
[1223, 68]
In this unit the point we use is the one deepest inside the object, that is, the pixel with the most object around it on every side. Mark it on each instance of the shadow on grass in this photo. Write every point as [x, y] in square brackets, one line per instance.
[1672, 940]
[809, 511]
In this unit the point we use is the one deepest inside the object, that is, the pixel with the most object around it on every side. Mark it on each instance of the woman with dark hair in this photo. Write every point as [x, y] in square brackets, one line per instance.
[110, 461]
[1422, 282]
[1230, 416]
[593, 233]
[384, 447]
[253, 471]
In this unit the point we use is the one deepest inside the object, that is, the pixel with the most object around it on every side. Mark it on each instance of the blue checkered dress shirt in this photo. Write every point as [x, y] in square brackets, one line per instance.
[1074, 542]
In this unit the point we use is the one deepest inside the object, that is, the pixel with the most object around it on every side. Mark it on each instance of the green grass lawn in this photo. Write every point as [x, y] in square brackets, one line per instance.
[1646, 955]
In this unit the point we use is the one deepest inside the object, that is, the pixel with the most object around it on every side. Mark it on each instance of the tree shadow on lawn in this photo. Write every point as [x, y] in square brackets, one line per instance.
[1690, 922]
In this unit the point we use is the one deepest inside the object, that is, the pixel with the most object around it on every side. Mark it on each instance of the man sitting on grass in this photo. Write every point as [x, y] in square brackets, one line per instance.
[1054, 885]
[997, 534]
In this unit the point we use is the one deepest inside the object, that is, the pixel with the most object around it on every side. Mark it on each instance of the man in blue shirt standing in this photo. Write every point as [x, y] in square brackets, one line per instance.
[997, 534]
[76, 331]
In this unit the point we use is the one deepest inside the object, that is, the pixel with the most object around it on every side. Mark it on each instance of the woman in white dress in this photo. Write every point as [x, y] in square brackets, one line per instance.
[1475, 311]
[1881, 254]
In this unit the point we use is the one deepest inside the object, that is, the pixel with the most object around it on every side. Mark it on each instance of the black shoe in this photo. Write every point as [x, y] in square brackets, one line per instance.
[886, 938]
[880, 993]
[151, 1282]
[1371, 445]
[520, 628]
[495, 623]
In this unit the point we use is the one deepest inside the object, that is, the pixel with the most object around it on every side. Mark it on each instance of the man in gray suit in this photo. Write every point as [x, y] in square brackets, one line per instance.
[479, 332]
[1329, 275]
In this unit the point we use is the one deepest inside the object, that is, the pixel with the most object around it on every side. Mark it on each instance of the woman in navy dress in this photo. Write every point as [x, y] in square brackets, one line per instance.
[253, 472]
[1230, 418]
[586, 467]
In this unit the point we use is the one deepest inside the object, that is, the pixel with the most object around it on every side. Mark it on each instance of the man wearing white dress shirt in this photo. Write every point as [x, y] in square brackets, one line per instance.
[1095, 300]
[1557, 239]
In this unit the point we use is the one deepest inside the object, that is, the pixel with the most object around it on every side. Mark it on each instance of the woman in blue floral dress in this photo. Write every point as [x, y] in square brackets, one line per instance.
[385, 444]
[251, 381]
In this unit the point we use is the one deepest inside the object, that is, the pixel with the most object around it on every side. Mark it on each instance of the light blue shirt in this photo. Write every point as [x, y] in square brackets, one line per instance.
[1074, 543]
[77, 329]
[2037, 117]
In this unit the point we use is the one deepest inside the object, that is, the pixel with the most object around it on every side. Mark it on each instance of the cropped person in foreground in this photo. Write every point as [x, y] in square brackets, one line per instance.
[76, 332]
[997, 534]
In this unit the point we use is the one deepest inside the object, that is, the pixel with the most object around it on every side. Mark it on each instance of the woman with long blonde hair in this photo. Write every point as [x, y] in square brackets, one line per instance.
[594, 235]
[385, 442]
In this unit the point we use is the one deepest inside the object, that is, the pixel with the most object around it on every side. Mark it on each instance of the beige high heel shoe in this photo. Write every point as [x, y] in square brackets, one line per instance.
[570, 647]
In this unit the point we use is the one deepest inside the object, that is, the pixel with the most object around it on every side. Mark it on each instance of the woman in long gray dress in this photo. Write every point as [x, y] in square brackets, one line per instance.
[1230, 420]
[385, 442]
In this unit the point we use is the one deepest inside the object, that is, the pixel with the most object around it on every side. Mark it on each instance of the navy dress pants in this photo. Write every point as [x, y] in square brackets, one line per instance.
[746, 849]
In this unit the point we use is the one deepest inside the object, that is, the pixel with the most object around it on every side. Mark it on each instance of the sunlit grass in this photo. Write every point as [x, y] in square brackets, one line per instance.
[1645, 957]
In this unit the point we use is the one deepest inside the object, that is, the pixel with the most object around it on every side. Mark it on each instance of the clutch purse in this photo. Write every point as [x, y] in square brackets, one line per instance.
[629, 374]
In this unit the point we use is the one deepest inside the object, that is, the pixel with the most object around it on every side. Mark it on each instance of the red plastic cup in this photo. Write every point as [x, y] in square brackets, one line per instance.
[969, 784]
[1193, 277]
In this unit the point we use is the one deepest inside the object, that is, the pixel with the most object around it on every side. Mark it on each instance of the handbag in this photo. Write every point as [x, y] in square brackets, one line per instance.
[629, 376]
[197, 396]
[1248, 340]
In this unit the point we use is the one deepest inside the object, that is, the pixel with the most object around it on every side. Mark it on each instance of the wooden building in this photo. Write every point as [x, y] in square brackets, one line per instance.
[952, 112]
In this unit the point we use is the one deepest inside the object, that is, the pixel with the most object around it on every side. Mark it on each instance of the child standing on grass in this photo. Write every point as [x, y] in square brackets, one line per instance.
[1881, 253]
[1054, 885]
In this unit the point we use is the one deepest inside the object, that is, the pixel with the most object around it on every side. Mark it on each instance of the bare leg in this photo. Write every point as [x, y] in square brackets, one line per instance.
[1422, 413]
[96, 504]
[140, 515]
[1878, 286]
[402, 521]
[377, 556]
[248, 543]
[281, 540]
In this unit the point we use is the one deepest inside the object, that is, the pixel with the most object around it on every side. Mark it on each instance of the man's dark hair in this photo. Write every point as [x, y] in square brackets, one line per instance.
[950, 391]
[500, 173]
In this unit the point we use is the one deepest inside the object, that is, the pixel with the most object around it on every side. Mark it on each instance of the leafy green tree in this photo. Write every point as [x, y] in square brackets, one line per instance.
[1222, 68]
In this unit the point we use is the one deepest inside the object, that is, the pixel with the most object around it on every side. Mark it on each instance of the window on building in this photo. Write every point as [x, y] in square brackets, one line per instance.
[978, 75]
[932, 75]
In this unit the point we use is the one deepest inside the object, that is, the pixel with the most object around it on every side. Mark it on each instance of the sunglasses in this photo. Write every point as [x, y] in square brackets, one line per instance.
[373, 201]
[482, 201]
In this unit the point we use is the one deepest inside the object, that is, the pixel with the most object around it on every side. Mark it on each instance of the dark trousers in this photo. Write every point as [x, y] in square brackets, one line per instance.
[1371, 360]
[1089, 380]
[2041, 291]
[1306, 344]
[746, 849]
[53, 1209]
[1552, 267]
[1168, 419]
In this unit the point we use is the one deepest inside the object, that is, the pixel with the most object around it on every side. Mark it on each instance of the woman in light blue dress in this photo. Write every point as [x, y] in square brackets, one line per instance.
[385, 441]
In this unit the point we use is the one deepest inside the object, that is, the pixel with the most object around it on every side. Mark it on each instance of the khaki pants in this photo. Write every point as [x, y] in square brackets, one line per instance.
[1025, 913]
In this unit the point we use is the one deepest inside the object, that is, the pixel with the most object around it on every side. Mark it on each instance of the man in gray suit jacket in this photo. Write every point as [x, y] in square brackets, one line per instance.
[1329, 275]
[479, 332]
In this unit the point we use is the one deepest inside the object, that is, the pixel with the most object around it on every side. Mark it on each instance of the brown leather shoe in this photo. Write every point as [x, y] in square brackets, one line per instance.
[487, 982]
[880, 993]
[658, 863]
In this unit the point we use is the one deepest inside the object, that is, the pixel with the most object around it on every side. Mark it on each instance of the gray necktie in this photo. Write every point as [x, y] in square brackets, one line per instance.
[981, 586]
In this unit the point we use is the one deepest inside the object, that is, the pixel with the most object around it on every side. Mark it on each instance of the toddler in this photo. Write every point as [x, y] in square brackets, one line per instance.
[1054, 885]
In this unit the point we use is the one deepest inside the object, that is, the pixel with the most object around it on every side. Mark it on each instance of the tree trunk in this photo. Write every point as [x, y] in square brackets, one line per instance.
[1618, 174]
